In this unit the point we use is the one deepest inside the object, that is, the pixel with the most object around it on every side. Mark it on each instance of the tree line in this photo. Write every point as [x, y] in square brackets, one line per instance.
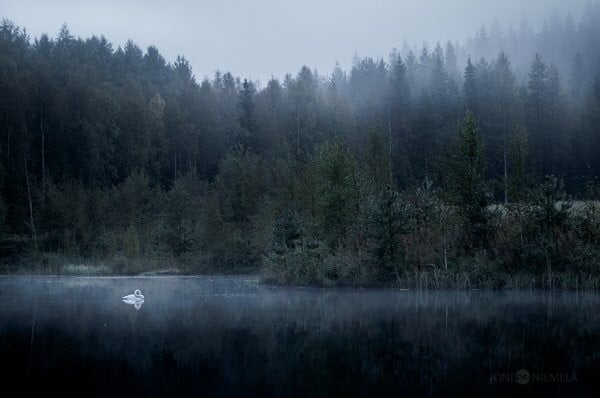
[414, 164]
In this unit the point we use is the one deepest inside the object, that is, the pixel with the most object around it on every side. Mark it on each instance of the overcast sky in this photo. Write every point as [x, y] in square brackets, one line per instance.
[260, 38]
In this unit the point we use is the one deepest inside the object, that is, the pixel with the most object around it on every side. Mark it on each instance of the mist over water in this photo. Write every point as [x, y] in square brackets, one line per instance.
[231, 336]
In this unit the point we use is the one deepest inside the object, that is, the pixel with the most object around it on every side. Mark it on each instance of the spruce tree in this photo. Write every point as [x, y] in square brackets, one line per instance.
[505, 101]
[388, 221]
[578, 77]
[536, 114]
[470, 86]
[468, 188]
[247, 113]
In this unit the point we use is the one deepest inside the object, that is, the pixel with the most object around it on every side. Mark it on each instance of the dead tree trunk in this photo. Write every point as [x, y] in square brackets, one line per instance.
[504, 144]
[43, 136]
[389, 117]
[298, 129]
[32, 224]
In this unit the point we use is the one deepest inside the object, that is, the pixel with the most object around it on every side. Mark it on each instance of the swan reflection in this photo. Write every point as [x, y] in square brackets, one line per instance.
[136, 299]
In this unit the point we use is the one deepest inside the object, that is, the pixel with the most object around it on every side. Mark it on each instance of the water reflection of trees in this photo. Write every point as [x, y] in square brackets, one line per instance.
[300, 342]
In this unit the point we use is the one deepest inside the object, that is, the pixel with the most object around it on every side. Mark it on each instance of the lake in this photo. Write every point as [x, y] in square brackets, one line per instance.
[231, 336]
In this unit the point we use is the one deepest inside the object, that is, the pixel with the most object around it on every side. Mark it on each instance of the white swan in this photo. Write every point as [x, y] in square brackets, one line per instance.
[136, 296]
[137, 299]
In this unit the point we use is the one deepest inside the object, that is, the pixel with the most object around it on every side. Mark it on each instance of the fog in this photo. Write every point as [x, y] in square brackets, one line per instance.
[228, 336]
[265, 38]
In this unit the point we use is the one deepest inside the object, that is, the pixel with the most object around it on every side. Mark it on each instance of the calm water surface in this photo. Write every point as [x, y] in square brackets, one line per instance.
[230, 336]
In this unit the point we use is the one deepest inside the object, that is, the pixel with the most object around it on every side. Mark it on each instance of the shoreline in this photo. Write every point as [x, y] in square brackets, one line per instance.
[563, 282]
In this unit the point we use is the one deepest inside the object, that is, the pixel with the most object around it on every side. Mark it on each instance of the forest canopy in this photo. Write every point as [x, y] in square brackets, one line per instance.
[430, 158]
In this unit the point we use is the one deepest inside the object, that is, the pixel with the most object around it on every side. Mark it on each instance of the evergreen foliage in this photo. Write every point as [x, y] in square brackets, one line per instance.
[358, 177]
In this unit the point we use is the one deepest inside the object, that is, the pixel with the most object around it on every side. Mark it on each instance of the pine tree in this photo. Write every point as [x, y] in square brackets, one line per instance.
[505, 101]
[336, 207]
[287, 232]
[439, 83]
[398, 118]
[467, 186]
[379, 167]
[554, 108]
[388, 221]
[578, 77]
[452, 62]
[179, 218]
[248, 113]
[517, 153]
[536, 114]
[470, 87]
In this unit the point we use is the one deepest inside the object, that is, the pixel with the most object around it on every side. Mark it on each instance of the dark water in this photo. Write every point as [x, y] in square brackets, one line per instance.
[233, 337]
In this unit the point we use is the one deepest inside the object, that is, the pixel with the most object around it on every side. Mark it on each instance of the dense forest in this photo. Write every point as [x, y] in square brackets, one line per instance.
[457, 164]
